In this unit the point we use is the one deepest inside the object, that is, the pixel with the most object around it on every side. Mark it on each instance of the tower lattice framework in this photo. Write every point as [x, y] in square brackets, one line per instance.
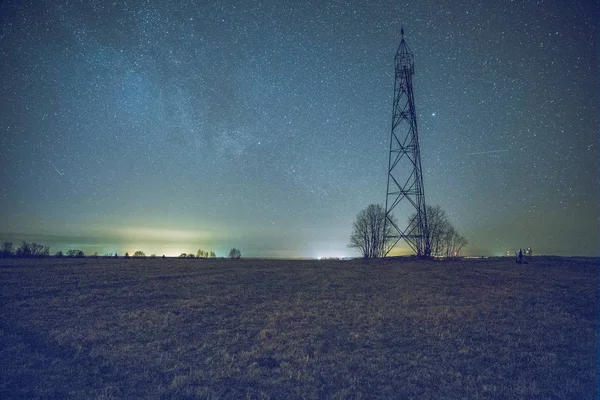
[405, 196]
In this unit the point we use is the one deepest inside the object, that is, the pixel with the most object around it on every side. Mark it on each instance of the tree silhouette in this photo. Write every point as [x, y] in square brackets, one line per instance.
[32, 250]
[443, 239]
[7, 250]
[75, 253]
[235, 253]
[139, 253]
[367, 232]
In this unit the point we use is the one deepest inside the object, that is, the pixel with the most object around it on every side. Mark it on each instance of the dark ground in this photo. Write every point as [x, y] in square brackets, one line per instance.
[154, 328]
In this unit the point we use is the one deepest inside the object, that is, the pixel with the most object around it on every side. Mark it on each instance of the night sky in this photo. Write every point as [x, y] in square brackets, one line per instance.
[169, 126]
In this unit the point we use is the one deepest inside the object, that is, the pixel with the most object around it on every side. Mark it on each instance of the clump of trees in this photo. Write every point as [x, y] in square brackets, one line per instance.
[199, 254]
[205, 254]
[368, 232]
[139, 254]
[442, 239]
[26, 249]
[75, 253]
[235, 253]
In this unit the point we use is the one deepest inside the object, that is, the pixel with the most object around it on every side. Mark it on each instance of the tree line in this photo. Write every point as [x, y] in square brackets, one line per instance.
[34, 250]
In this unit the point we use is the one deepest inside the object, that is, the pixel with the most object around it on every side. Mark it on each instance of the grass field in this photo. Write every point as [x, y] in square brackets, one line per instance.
[171, 328]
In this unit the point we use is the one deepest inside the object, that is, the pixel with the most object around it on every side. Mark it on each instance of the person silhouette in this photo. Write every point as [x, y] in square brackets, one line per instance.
[520, 256]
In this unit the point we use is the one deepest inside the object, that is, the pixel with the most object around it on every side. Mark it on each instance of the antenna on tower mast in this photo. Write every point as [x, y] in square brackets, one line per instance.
[405, 194]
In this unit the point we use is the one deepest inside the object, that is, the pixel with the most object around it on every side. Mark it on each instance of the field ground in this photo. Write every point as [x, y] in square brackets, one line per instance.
[154, 328]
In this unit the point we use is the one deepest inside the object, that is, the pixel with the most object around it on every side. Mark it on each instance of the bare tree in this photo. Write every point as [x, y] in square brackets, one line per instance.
[442, 238]
[32, 250]
[367, 232]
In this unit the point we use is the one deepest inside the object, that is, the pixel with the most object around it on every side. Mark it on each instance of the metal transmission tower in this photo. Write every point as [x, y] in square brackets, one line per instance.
[405, 193]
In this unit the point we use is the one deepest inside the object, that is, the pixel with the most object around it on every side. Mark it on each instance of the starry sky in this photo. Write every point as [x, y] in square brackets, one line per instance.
[169, 126]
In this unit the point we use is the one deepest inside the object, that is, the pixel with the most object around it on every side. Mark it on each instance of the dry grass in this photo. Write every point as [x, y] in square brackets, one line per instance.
[154, 328]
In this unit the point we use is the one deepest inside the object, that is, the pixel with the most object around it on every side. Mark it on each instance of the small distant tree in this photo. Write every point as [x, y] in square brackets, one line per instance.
[139, 253]
[183, 255]
[75, 253]
[7, 250]
[59, 254]
[116, 255]
[126, 255]
[213, 255]
[190, 256]
[235, 253]
[368, 232]
[200, 253]
[153, 256]
[163, 256]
